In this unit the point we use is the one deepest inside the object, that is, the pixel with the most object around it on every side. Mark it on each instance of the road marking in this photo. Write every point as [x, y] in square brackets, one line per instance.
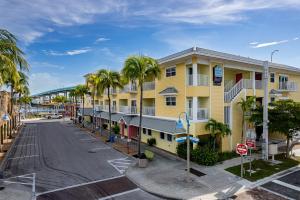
[88, 139]
[272, 192]
[286, 185]
[22, 157]
[99, 148]
[120, 164]
[27, 136]
[120, 194]
[20, 145]
[81, 184]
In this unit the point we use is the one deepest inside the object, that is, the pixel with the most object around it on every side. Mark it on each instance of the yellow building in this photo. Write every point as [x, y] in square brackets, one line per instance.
[205, 84]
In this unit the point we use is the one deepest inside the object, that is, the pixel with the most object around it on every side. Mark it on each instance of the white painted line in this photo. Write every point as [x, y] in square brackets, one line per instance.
[120, 194]
[22, 157]
[87, 139]
[287, 185]
[119, 162]
[101, 148]
[27, 136]
[81, 184]
[21, 145]
[272, 192]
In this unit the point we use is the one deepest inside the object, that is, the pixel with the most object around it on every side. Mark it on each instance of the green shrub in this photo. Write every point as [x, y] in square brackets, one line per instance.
[149, 155]
[116, 129]
[151, 141]
[227, 155]
[181, 150]
[204, 156]
[104, 126]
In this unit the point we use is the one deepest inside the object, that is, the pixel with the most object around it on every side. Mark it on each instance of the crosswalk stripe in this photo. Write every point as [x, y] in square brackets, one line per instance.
[286, 185]
[120, 194]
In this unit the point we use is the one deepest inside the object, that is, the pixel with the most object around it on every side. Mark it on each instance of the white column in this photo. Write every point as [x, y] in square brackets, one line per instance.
[253, 82]
[195, 74]
[195, 107]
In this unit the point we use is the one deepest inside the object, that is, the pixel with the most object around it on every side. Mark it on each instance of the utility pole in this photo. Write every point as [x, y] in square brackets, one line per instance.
[265, 145]
[273, 54]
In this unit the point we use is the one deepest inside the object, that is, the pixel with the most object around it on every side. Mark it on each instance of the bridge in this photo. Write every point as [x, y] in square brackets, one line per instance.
[47, 96]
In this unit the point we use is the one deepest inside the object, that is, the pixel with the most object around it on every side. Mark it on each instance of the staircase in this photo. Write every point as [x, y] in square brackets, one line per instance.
[236, 89]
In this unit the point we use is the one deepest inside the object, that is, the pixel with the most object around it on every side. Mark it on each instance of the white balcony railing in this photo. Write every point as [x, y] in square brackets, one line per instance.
[128, 110]
[202, 80]
[190, 80]
[149, 85]
[202, 113]
[258, 84]
[189, 112]
[129, 88]
[288, 86]
[149, 110]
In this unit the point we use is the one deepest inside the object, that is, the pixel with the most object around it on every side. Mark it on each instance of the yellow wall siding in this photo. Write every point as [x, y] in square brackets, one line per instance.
[197, 91]
[161, 143]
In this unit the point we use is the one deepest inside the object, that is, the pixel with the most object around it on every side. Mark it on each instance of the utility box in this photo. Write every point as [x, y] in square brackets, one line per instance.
[273, 149]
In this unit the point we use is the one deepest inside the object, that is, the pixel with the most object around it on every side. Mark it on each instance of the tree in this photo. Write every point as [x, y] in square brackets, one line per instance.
[81, 91]
[284, 118]
[217, 129]
[25, 100]
[107, 80]
[246, 106]
[141, 68]
[73, 94]
[92, 81]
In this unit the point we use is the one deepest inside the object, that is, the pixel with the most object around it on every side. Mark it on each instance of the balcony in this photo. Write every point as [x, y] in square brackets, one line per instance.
[128, 110]
[149, 85]
[189, 112]
[106, 108]
[202, 113]
[202, 80]
[149, 110]
[129, 88]
[288, 86]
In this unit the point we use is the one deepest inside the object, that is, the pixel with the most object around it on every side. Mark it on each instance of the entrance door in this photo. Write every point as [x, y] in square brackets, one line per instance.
[283, 79]
[258, 76]
[190, 71]
[238, 77]
[190, 108]
[133, 106]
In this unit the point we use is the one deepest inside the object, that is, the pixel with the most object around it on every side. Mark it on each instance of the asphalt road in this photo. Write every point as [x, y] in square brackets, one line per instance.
[70, 164]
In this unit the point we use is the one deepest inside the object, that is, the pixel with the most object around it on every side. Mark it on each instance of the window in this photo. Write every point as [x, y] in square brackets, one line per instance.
[149, 132]
[171, 71]
[272, 77]
[144, 130]
[171, 101]
[162, 135]
[272, 99]
[169, 137]
[125, 126]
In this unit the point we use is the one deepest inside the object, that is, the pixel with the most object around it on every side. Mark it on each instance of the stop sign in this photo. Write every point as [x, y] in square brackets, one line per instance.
[241, 149]
[250, 143]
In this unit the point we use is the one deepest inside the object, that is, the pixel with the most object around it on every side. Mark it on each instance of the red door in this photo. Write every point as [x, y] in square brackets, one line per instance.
[258, 76]
[238, 77]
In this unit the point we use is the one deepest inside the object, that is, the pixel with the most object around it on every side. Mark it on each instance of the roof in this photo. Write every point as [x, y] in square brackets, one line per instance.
[169, 90]
[158, 124]
[64, 89]
[225, 56]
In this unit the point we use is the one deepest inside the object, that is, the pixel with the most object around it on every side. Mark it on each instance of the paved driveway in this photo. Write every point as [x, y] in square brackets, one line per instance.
[70, 164]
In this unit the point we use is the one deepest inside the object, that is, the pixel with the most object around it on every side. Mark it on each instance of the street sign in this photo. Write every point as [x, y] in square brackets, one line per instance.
[241, 149]
[194, 140]
[250, 143]
[183, 139]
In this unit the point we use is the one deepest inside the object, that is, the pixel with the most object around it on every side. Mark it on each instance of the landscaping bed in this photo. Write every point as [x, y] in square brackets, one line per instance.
[263, 168]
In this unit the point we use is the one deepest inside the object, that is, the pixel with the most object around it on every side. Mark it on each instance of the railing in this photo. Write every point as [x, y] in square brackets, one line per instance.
[123, 109]
[228, 96]
[113, 90]
[258, 84]
[149, 110]
[247, 84]
[129, 88]
[189, 112]
[202, 113]
[149, 85]
[190, 80]
[128, 110]
[288, 86]
[228, 85]
[202, 80]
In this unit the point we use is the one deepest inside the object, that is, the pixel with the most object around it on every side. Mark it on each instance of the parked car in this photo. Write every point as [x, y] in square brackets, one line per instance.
[54, 116]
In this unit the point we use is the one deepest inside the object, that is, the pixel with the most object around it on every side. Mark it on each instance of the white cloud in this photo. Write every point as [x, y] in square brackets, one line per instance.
[39, 82]
[68, 53]
[253, 43]
[260, 45]
[46, 65]
[296, 38]
[101, 39]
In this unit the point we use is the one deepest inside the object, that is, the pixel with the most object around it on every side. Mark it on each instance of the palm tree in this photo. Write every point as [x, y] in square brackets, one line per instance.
[246, 106]
[25, 100]
[81, 91]
[92, 81]
[141, 68]
[73, 95]
[217, 129]
[107, 80]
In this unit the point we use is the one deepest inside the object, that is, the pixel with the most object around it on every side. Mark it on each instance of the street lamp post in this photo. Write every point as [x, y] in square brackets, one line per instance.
[273, 54]
[179, 125]
[265, 152]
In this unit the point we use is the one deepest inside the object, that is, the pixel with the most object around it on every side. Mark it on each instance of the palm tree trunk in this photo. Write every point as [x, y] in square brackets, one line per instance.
[82, 111]
[141, 118]
[243, 127]
[19, 108]
[76, 108]
[93, 111]
[109, 111]
[287, 147]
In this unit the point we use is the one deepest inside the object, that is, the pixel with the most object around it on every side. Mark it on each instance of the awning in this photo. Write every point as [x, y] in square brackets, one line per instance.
[169, 91]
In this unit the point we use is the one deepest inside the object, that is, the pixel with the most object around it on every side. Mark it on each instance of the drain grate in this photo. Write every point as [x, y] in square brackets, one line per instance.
[196, 172]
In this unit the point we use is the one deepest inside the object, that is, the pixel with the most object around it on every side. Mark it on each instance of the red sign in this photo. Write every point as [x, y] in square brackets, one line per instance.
[241, 149]
[250, 143]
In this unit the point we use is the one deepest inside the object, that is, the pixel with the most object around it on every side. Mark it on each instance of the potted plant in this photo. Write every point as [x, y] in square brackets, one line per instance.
[116, 130]
[142, 161]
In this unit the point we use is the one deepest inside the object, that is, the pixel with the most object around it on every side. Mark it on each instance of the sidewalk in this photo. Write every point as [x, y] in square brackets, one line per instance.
[165, 176]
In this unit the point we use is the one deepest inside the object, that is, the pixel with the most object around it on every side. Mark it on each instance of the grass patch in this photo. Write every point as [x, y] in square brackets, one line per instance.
[264, 169]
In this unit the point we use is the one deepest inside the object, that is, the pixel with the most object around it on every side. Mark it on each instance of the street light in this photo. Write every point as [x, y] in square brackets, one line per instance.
[179, 125]
[5, 117]
[273, 54]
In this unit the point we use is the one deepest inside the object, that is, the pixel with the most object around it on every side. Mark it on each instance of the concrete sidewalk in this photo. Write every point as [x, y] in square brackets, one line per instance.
[166, 176]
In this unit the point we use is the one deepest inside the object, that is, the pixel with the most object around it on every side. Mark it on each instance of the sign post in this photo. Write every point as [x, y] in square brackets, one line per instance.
[251, 145]
[242, 150]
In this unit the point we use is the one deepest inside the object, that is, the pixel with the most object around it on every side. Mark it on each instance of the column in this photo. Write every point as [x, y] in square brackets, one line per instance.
[195, 108]
[265, 146]
[195, 74]
[253, 82]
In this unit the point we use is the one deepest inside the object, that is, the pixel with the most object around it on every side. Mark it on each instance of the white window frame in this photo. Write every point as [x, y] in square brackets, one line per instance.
[171, 137]
[170, 101]
[274, 77]
[169, 68]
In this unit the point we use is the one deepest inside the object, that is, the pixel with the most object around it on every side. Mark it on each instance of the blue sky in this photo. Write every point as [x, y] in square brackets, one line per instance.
[65, 39]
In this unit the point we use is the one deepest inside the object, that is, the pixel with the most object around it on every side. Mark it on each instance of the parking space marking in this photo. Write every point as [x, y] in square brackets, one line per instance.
[100, 148]
[120, 194]
[22, 157]
[271, 191]
[120, 164]
[88, 139]
[286, 185]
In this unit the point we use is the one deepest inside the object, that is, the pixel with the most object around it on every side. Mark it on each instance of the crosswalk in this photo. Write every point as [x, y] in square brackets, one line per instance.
[120, 164]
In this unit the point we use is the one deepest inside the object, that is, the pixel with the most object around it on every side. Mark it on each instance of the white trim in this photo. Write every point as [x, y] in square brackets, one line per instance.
[169, 94]
[120, 194]
[174, 66]
[23, 157]
[286, 185]
[278, 194]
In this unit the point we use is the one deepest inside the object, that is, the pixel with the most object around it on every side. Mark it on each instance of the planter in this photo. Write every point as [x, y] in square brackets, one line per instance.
[142, 162]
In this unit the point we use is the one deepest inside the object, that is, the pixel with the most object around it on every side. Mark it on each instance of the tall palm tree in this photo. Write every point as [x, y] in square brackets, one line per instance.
[107, 80]
[217, 129]
[246, 106]
[81, 91]
[92, 81]
[73, 95]
[141, 68]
